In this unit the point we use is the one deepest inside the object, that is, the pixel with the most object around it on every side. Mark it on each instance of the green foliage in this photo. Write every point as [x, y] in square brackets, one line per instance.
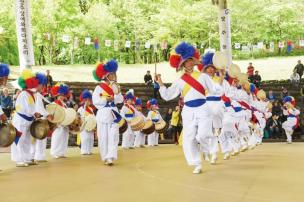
[139, 21]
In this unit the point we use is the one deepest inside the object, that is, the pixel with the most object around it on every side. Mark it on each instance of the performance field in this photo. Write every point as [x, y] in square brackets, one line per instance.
[270, 172]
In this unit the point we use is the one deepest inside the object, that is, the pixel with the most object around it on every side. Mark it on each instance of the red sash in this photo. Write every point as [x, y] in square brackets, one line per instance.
[193, 83]
[107, 88]
[244, 104]
[59, 103]
[31, 94]
[89, 110]
[129, 107]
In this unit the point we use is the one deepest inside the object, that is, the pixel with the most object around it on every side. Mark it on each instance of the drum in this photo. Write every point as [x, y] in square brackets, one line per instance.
[75, 126]
[161, 127]
[115, 88]
[137, 123]
[123, 126]
[148, 128]
[234, 71]
[57, 111]
[70, 116]
[39, 129]
[220, 60]
[90, 123]
[7, 134]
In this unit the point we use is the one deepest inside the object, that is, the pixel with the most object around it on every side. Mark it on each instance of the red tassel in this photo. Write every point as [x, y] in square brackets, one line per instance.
[31, 83]
[200, 67]
[54, 90]
[100, 71]
[196, 54]
[174, 60]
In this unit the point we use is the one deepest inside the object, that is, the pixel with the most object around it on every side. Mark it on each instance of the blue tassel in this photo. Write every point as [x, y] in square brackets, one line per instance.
[111, 66]
[86, 94]
[185, 50]
[42, 79]
[63, 90]
[4, 70]
[207, 59]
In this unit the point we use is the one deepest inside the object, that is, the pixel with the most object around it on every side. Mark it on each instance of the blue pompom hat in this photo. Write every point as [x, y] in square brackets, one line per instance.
[207, 60]
[85, 94]
[186, 51]
[4, 70]
[42, 79]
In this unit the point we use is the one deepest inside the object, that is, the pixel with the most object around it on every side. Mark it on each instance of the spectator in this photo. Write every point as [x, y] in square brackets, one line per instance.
[299, 68]
[284, 93]
[257, 79]
[168, 116]
[274, 127]
[174, 124]
[302, 95]
[295, 79]
[16, 93]
[156, 89]
[6, 102]
[49, 83]
[271, 96]
[276, 109]
[71, 102]
[148, 79]
[250, 70]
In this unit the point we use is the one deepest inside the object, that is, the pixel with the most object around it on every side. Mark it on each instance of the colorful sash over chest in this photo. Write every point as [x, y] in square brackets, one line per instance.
[108, 91]
[89, 110]
[245, 105]
[60, 103]
[191, 82]
[130, 113]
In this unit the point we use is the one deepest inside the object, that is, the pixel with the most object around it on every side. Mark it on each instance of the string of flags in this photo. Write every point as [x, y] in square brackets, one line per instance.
[271, 46]
[164, 45]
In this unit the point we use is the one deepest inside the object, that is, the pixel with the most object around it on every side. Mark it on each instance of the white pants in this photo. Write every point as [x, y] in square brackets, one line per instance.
[86, 141]
[38, 149]
[21, 151]
[197, 128]
[108, 138]
[139, 139]
[153, 139]
[127, 138]
[60, 140]
[226, 141]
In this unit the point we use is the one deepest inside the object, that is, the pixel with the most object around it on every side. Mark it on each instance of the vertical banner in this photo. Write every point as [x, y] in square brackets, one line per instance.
[24, 33]
[225, 33]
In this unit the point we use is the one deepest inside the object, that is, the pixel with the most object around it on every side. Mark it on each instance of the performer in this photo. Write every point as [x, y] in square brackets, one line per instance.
[86, 137]
[4, 72]
[128, 113]
[38, 147]
[216, 107]
[155, 117]
[197, 122]
[60, 136]
[105, 96]
[23, 118]
[140, 138]
[292, 114]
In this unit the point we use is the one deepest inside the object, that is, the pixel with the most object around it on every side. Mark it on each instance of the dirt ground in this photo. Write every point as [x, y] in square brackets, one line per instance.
[273, 172]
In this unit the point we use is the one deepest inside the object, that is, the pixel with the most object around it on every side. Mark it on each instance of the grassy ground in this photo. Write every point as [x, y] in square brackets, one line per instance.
[270, 69]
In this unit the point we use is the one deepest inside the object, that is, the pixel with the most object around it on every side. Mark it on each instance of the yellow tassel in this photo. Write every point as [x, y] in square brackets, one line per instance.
[27, 74]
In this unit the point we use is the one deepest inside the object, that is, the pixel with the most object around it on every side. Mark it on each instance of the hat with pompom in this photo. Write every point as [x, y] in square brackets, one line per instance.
[60, 89]
[138, 102]
[181, 53]
[85, 95]
[28, 80]
[4, 70]
[102, 70]
[289, 99]
[42, 79]
[207, 60]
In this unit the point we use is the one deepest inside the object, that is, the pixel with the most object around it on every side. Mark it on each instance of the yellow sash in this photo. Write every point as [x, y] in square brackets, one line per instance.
[187, 87]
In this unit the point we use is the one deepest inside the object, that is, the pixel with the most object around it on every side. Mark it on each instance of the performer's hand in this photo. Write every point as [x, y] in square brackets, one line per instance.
[37, 115]
[3, 118]
[50, 117]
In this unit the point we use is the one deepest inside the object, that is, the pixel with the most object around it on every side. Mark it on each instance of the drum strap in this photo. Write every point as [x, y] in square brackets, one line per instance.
[131, 108]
